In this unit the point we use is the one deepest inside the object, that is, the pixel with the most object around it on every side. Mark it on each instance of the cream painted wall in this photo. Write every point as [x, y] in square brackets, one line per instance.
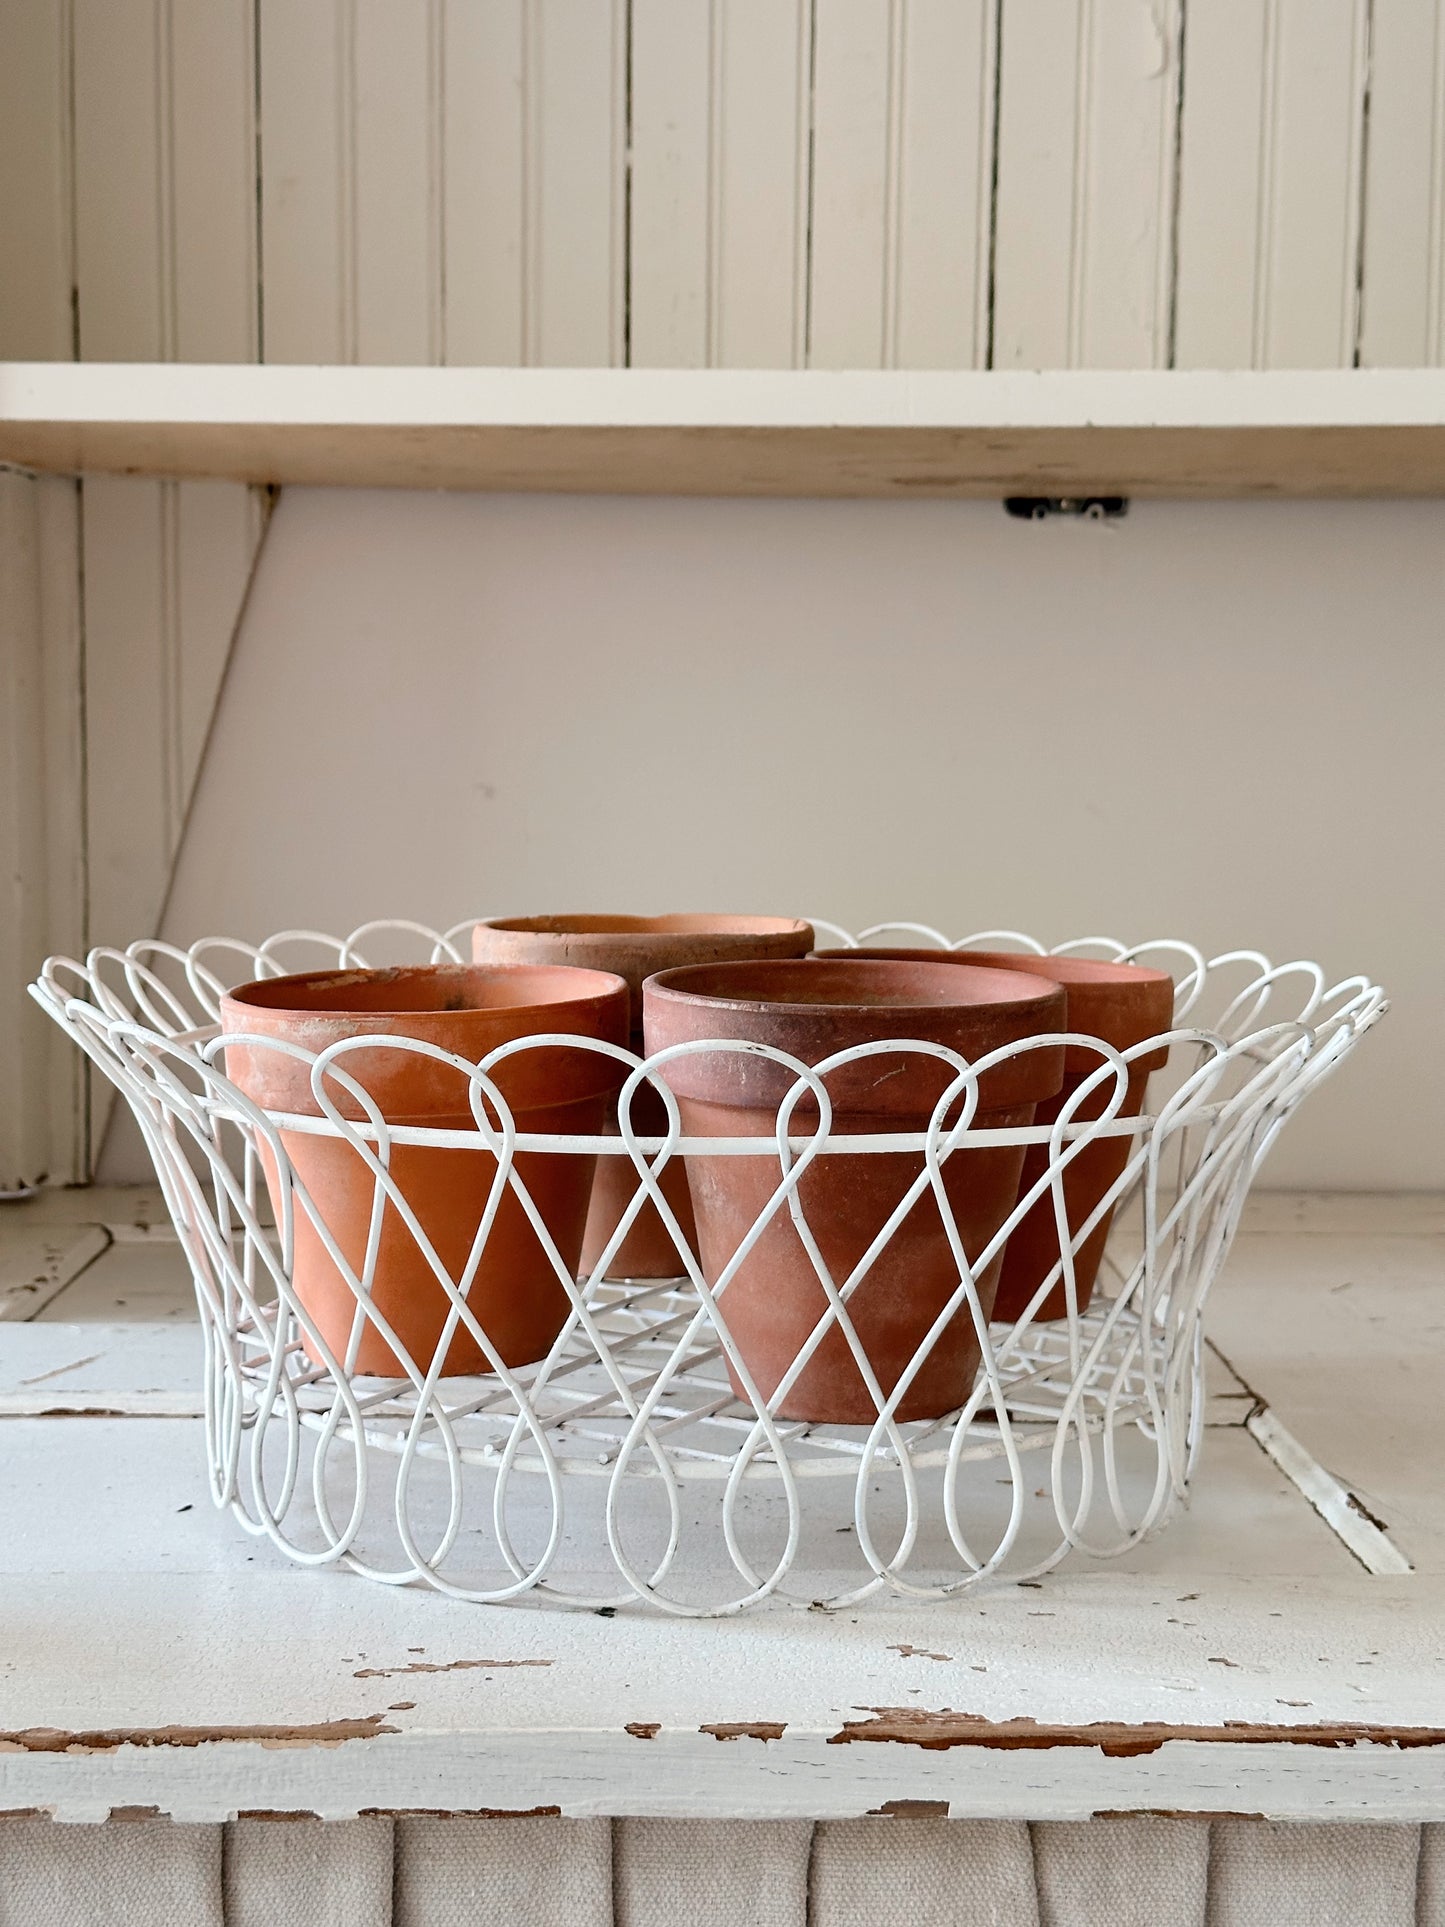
[1213, 720]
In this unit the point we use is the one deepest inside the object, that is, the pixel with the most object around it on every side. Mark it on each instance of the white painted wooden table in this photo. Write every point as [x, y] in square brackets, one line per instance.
[1245, 1662]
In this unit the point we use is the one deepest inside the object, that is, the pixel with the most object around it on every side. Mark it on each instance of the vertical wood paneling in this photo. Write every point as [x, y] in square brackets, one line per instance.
[761, 149]
[676, 114]
[1270, 190]
[855, 124]
[212, 157]
[35, 137]
[351, 161]
[718, 183]
[482, 197]
[1403, 319]
[65, 869]
[166, 269]
[1087, 115]
[574, 182]
[944, 185]
[396, 131]
[307, 252]
[23, 1102]
[42, 855]
[132, 702]
[124, 221]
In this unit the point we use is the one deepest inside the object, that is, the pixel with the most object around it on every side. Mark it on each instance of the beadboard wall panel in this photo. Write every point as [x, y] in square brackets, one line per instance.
[718, 220]
[166, 268]
[1088, 98]
[533, 182]
[762, 162]
[574, 176]
[22, 830]
[42, 862]
[1403, 261]
[900, 227]
[68, 1139]
[731, 182]
[36, 239]
[484, 229]
[1271, 183]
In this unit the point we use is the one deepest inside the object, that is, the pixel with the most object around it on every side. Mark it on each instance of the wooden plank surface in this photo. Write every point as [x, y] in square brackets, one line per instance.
[39, 1259]
[1343, 1331]
[739, 431]
[1242, 1662]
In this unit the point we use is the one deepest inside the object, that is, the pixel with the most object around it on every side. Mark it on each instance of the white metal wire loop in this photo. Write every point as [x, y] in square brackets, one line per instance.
[640, 1457]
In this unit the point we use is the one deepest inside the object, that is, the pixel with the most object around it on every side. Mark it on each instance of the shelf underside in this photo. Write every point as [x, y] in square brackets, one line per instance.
[737, 432]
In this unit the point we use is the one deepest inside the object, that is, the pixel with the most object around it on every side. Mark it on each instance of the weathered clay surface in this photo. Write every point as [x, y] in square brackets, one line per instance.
[516, 1295]
[775, 1298]
[635, 947]
[1122, 1005]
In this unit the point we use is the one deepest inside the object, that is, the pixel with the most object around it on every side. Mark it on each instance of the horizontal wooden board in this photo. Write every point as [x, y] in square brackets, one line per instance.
[740, 432]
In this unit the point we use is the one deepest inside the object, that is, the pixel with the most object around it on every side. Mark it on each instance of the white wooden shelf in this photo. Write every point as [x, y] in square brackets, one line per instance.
[738, 432]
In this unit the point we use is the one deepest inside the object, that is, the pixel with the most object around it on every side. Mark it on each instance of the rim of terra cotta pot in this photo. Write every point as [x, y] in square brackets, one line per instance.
[815, 1007]
[1104, 997]
[637, 947]
[468, 1009]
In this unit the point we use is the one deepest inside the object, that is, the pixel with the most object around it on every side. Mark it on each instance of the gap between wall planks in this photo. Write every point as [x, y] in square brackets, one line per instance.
[746, 183]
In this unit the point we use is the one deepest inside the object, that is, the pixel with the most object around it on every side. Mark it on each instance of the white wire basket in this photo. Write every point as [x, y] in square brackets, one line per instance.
[639, 1460]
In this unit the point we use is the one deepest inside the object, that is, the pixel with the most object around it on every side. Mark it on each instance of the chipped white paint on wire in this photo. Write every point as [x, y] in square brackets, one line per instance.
[1079, 1434]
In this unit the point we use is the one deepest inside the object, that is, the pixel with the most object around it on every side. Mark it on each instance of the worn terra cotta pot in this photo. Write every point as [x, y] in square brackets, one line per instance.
[516, 1295]
[1122, 1005]
[812, 1009]
[634, 948]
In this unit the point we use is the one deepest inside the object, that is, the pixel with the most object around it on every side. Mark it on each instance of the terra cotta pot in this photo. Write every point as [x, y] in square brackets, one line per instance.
[635, 947]
[812, 1009]
[516, 1295]
[1123, 1005]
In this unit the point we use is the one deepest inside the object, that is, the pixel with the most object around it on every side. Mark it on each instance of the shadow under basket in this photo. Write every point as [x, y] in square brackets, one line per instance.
[636, 1458]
